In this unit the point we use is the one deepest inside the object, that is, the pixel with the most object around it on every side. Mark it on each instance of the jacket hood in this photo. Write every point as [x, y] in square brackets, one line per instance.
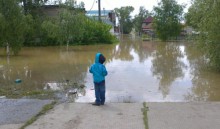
[97, 57]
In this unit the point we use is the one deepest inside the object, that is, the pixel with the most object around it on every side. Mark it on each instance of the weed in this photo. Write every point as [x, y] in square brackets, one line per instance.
[42, 112]
[144, 111]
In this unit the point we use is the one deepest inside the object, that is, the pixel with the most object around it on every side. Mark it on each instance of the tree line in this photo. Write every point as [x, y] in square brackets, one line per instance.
[202, 16]
[167, 17]
[23, 23]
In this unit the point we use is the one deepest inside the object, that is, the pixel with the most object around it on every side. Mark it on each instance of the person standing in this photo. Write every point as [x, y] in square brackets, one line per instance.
[99, 72]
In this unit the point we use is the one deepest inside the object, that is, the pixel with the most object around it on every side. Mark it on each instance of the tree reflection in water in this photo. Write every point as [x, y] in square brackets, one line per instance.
[123, 50]
[205, 81]
[167, 65]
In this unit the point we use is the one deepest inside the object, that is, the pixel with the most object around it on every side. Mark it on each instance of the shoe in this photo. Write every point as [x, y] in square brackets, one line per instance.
[102, 104]
[96, 104]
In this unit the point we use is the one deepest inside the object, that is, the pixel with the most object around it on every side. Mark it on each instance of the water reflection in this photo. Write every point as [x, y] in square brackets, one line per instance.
[122, 50]
[167, 65]
[71, 90]
[205, 82]
[36, 67]
[138, 71]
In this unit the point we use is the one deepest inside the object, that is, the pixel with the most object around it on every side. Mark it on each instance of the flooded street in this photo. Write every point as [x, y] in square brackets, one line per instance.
[137, 71]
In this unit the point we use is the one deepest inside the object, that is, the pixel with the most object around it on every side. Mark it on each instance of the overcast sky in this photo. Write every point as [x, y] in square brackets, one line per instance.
[111, 4]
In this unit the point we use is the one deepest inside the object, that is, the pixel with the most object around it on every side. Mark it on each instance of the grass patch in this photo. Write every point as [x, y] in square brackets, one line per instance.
[19, 93]
[144, 111]
[146, 37]
[42, 112]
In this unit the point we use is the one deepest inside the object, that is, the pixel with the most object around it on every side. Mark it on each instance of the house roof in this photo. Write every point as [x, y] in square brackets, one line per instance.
[148, 19]
[96, 12]
[50, 6]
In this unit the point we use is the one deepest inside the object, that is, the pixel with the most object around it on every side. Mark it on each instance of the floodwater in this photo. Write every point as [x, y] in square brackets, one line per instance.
[138, 71]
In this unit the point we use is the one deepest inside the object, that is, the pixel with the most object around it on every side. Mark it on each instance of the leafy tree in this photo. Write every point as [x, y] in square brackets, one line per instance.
[167, 17]
[66, 29]
[124, 15]
[35, 35]
[73, 27]
[191, 18]
[13, 25]
[204, 16]
[138, 19]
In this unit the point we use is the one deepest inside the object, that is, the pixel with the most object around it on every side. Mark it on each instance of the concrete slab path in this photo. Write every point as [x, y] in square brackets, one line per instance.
[87, 116]
[161, 115]
[183, 115]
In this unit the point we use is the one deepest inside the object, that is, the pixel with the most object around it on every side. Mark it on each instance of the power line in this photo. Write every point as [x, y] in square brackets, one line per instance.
[92, 6]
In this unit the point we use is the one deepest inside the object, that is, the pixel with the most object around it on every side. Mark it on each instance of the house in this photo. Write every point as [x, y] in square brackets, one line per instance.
[54, 10]
[147, 26]
[50, 10]
[107, 16]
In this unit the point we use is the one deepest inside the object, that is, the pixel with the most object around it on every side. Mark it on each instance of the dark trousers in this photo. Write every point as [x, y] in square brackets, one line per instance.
[100, 92]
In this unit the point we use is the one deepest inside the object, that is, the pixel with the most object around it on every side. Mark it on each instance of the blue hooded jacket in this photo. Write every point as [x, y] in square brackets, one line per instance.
[98, 70]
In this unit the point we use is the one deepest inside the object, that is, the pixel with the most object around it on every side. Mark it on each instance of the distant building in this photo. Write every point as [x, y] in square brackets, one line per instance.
[51, 10]
[147, 27]
[107, 16]
[54, 10]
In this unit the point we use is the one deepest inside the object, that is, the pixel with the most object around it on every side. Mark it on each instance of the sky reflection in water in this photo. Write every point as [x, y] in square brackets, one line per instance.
[137, 79]
[157, 72]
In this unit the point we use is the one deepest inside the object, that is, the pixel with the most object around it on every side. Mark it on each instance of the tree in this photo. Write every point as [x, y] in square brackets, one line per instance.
[204, 17]
[138, 19]
[33, 9]
[73, 27]
[167, 18]
[13, 27]
[124, 15]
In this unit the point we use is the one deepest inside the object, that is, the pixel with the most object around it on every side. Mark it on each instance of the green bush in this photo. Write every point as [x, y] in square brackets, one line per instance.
[76, 28]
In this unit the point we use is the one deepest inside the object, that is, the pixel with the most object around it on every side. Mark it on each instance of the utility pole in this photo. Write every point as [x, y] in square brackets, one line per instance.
[99, 5]
[104, 13]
